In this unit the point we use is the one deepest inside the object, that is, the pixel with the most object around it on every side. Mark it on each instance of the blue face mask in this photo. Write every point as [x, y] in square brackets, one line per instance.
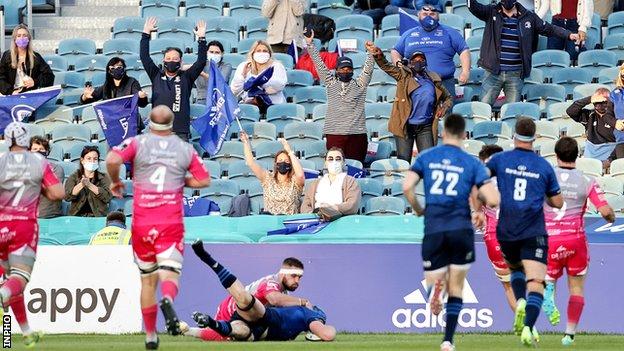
[429, 23]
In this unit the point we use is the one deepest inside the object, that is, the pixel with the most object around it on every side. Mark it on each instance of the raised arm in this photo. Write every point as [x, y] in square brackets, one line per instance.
[367, 70]
[480, 10]
[576, 112]
[198, 67]
[550, 30]
[324, 74]
[150, 67]
[257, 170]
[392, 70]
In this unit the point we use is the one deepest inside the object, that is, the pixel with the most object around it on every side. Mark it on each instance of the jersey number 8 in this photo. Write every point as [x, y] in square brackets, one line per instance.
[438, 177]
[520, 189]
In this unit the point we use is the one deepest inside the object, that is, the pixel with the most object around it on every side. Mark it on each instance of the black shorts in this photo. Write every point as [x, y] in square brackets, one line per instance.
[534, 249]
[445, 248]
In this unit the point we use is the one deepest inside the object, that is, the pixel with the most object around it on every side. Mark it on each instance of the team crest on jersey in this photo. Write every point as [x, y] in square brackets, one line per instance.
[527, 25]
[163, 144]
[565, 176]
[19, 158]
[522, 168]
[438, 33]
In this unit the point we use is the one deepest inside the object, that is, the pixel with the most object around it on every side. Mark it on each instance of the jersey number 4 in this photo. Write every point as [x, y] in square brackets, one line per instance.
[438, 177]
[158, 178]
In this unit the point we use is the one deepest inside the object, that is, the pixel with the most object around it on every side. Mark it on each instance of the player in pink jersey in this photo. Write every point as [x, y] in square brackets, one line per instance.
[23, 177]
[567, 243]
[271, 290]
[160, 161]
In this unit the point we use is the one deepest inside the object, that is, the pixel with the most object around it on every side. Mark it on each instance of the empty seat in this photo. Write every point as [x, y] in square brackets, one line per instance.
[378, 111]
[510, 112]
[249, 113]
[299, 134]
[245, 10]
[385, 206]
[178, 28]
[608, 75]
[389, 170]
[370, 188]
[473, 147]
[615, 43]
[491, 132]
[297, 79]
[314, 151]
[473, 112]
[610, 186]
[616, 169]
[536, 77]
[615, 23]
[558, 110]
[71, 132]
[589, 166]
[354, 27]
[56, 63]
[319, 112]
[309, 97]
[230, 151]
[257, 28]
[546, 130]
[260, 131]
[333, 9]
[282, 114]
[570, 77]
[384, 150]
[221, 191]
[223, 27]
[545, 94]
[159, 8]
[88, 65]
[595, 60]
[71, 49]
[203, 9]
[386, 43]
[267, 150]
[128, 27]
[285, 59]
[120, 47]
[550, 60]
[454, 21]
[379, 130]
[158, 46]
[69, 80]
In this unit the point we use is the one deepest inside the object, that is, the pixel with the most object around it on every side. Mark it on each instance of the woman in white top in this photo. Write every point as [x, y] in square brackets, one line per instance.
[259, 59]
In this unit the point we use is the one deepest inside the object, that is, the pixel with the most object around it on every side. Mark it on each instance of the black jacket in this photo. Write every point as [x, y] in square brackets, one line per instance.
[40, 73]
[599, 129]
[529, 25]
[128, 86]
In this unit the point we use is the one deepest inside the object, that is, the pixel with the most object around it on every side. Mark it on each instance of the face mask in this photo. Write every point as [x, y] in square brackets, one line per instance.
[90, 166]
[22, 42]
[172, 66]
[334, 167]
[118, 72]
[261, 57]
[216, 58]
[508, 4]
[344, 77]
[429, 23]
[418, 67]
[283, 167]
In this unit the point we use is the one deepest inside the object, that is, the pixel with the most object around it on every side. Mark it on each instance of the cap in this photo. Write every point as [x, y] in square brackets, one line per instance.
[18, 134]
[344, 61]
[418, 53]
[598, 98]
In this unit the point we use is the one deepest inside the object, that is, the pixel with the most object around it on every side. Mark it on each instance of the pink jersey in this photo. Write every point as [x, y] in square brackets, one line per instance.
[576, 189]
[160, 164]
[260, 289]
[22, 176]
[491, 219]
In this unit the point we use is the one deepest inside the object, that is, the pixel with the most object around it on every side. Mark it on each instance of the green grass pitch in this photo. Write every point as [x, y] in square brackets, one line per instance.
[467, 342]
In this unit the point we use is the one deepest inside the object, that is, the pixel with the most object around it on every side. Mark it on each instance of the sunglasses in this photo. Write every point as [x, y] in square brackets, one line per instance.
[429, 9]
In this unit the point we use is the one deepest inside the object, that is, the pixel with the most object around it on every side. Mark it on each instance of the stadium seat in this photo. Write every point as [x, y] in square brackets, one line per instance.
[473, 112]
[378, 130]
[241, 174]
[309, 97]
[475, 79]
[589, 166]
[56, 63]
[267, 150]
[545, 94]
[250, 113]
[244, 45]
[550, 60]
[545, 147]
[285, 59]
[128, 28]
[221, 191]
[257, 28]
[198, 110]
[474, 43]
[88, 65]
[231, 151]
[377, 111]
[491, 132]
[381, 79]
[223, 27]
[615, 23]
[388, 95]
[159, 8]
[595, 60]
[13, 12]
[546, 130]
[370, 188]
[94, 127]
[570, 77]
[617, 203]
[385, 206]
[245, 10]
[558, 110]
[473, 147]
[536, 77]
[71, 132]
[384, 150]
[610, 186]
[120, 47]
[607, 75]
[203, 9]
[234, 59]
[319, 112]
[259, 132]
[616, 169]
[585, 90]
[510, 112]
[389, 170]
[69, 80]
[453, 21]
[572, 129]
[297, 79]
[386, 43]
[178, 28]
[390, 26]
[314, 151]
[354, 27]
[333, 9]
[71, 49]
[158, 47]
[615, 43]
[282, 114]
[461, 9]
[299, 134]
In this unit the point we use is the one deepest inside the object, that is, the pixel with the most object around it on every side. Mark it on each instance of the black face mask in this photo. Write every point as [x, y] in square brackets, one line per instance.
[283, 167]
[344, 77]
[508, 4]
[118, 72]
[172, 66]
[418, 67]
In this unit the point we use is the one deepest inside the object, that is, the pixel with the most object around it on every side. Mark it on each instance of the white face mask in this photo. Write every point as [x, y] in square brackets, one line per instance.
[334, 167]
[261, 57]
[216, 58]
[91, 166]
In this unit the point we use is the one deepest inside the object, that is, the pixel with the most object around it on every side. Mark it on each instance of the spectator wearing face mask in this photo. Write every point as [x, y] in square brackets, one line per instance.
[87, 189]
[47, 208]
[281, 187]
[260, 80]
[215, 54]
[172, 86]
[345, 121]
[335, 194]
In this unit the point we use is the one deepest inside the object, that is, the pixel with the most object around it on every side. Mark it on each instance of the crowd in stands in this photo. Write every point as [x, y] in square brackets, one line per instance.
[427, 72]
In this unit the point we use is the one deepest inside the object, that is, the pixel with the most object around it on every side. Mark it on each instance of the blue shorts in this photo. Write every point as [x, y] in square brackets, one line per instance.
[533, 249]
[283, 323]
[442, 249]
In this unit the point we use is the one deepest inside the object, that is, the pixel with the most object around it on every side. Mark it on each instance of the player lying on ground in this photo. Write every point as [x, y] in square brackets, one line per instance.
[252, 321]
[24, 175]
[567, 243]
[271, 290]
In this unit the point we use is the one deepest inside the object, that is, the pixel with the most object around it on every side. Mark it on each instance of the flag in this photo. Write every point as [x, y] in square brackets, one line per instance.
[21, 106]
[222, 109]
[300, 226]
[118, 118]
[198, 206]
[293, 51]
[356, 172]
[260, 79]
[311, 173]
[407, 21]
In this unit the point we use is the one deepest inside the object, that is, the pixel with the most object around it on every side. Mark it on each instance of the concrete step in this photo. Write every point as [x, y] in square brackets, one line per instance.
[45, 47]
[72, 23]
[60, 34]
[107, 3]
[99, 11]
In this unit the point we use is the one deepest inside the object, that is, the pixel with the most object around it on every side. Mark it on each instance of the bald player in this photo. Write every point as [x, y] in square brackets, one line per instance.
[160, 161]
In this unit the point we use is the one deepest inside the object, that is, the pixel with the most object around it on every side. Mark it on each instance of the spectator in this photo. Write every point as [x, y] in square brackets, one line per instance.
[47, 208]
[374, 9]
[345, 121]
[172, 86]
[420, 101]
[259, 60]
[412, 6]
[505, 58]
[282, 188]
[115, 232]
[604, 8]
[21, 68]
[215, 53]
[599, 123]
[439, 47]
[617, 97]
[575, 16]
[87, 189]
[334, 195]
[285, 22]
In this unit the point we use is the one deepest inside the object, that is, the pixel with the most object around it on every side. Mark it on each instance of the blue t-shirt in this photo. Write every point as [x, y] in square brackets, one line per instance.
[524, 181]
[423, 100]
[285, 323]
[440, 46]
[449, 174]
[617, 97]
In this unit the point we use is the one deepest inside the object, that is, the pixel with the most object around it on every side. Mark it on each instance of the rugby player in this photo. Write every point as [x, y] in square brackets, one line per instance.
[24, 176]
[160, 161]
[525, 180]
[567, 243]
[450, 174]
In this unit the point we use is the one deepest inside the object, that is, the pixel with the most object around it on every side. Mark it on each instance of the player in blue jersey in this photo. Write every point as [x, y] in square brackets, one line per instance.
[525, 180]
[253, 321]
[450, 175]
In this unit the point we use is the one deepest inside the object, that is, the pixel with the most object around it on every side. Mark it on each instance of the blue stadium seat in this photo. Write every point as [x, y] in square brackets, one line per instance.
[300, 133]
[69, 168]
[56, 153]
[297, 79]
[121, 47]
[378, 130]
[245, 10]
[615, 43]
[360, 46]
[134, 66]
[198, 110]
[314, 151]
[178, 28]
[227, 44]
[267, 150]
[231, 151]
[56, 63]
[309, 97]
[389, 170]
[475, 79]
[491, 132]
[13, 10]
[557, 110]
[386, 43]
[260, 132]
[461, 9]
[94, 126]
[223, 27]
[473, 112]
[550, 60]
[71, 49]
[203, 9]
[370, 188]
[611, 186]
[608, 75]
[473, 147]
[282, 114]
[384, 150]
[239, 169]
[221, 191]
[545, 94]
[381, 78]
[159, 8]
[595, 60]
[158, 47]
[585, 90]
[213, 168]
[89, 65]
[570, 77]
[453, 21]
[589, 166]
[333, 9]
[377, 111]
[354, 27]
[250, 113]
[319, 112]
[71, 132]
[390, 26]
[257, 28]
[244, 45]
[35, 129]
[98, 78]
[536, 77]
[285, 59]
[69, 80]
[385, 206]
[546, 130]
[75, 149]
[615, 23]
[57, 118]
[128, 28]
[474, 43]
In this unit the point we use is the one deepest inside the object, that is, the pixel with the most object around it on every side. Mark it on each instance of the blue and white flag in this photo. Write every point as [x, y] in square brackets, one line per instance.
[21, 106]
[222, 109]
[311, 173]
[407, 21]
[300, 226]
[356, 172]
[293, 51]
[118, 118]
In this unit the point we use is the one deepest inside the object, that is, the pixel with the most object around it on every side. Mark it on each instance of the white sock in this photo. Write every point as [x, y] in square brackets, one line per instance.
[151, 337]
[194, 332]
[571, 329]
[25, 329]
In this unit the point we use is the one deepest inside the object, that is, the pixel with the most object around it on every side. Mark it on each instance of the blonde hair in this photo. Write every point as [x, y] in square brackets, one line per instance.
[254, 65]
[619, 81]
[30, 55]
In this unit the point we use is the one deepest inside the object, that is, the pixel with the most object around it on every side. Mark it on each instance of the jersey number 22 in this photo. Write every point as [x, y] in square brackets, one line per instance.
[439, 177]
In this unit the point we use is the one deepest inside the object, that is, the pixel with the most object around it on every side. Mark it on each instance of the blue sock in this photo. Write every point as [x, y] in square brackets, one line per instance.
[225, 277]
[534, 303]
[453, 307]
[518, 284]
[224, 328]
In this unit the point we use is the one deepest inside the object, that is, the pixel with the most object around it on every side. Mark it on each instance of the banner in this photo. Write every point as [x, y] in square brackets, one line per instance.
[21, 106]
[407, 21]
[118, 118]
[222, 109]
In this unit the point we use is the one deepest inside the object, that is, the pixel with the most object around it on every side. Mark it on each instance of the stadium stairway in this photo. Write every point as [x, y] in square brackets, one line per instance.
[91, 19]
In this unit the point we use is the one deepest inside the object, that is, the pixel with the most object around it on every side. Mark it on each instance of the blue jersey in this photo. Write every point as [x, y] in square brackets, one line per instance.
[449, 174]
[524, 180]
[286, 323]
[440, 46]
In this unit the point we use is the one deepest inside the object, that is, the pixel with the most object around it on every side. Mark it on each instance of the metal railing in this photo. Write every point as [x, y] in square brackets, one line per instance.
[29, 14]
[2, 28]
